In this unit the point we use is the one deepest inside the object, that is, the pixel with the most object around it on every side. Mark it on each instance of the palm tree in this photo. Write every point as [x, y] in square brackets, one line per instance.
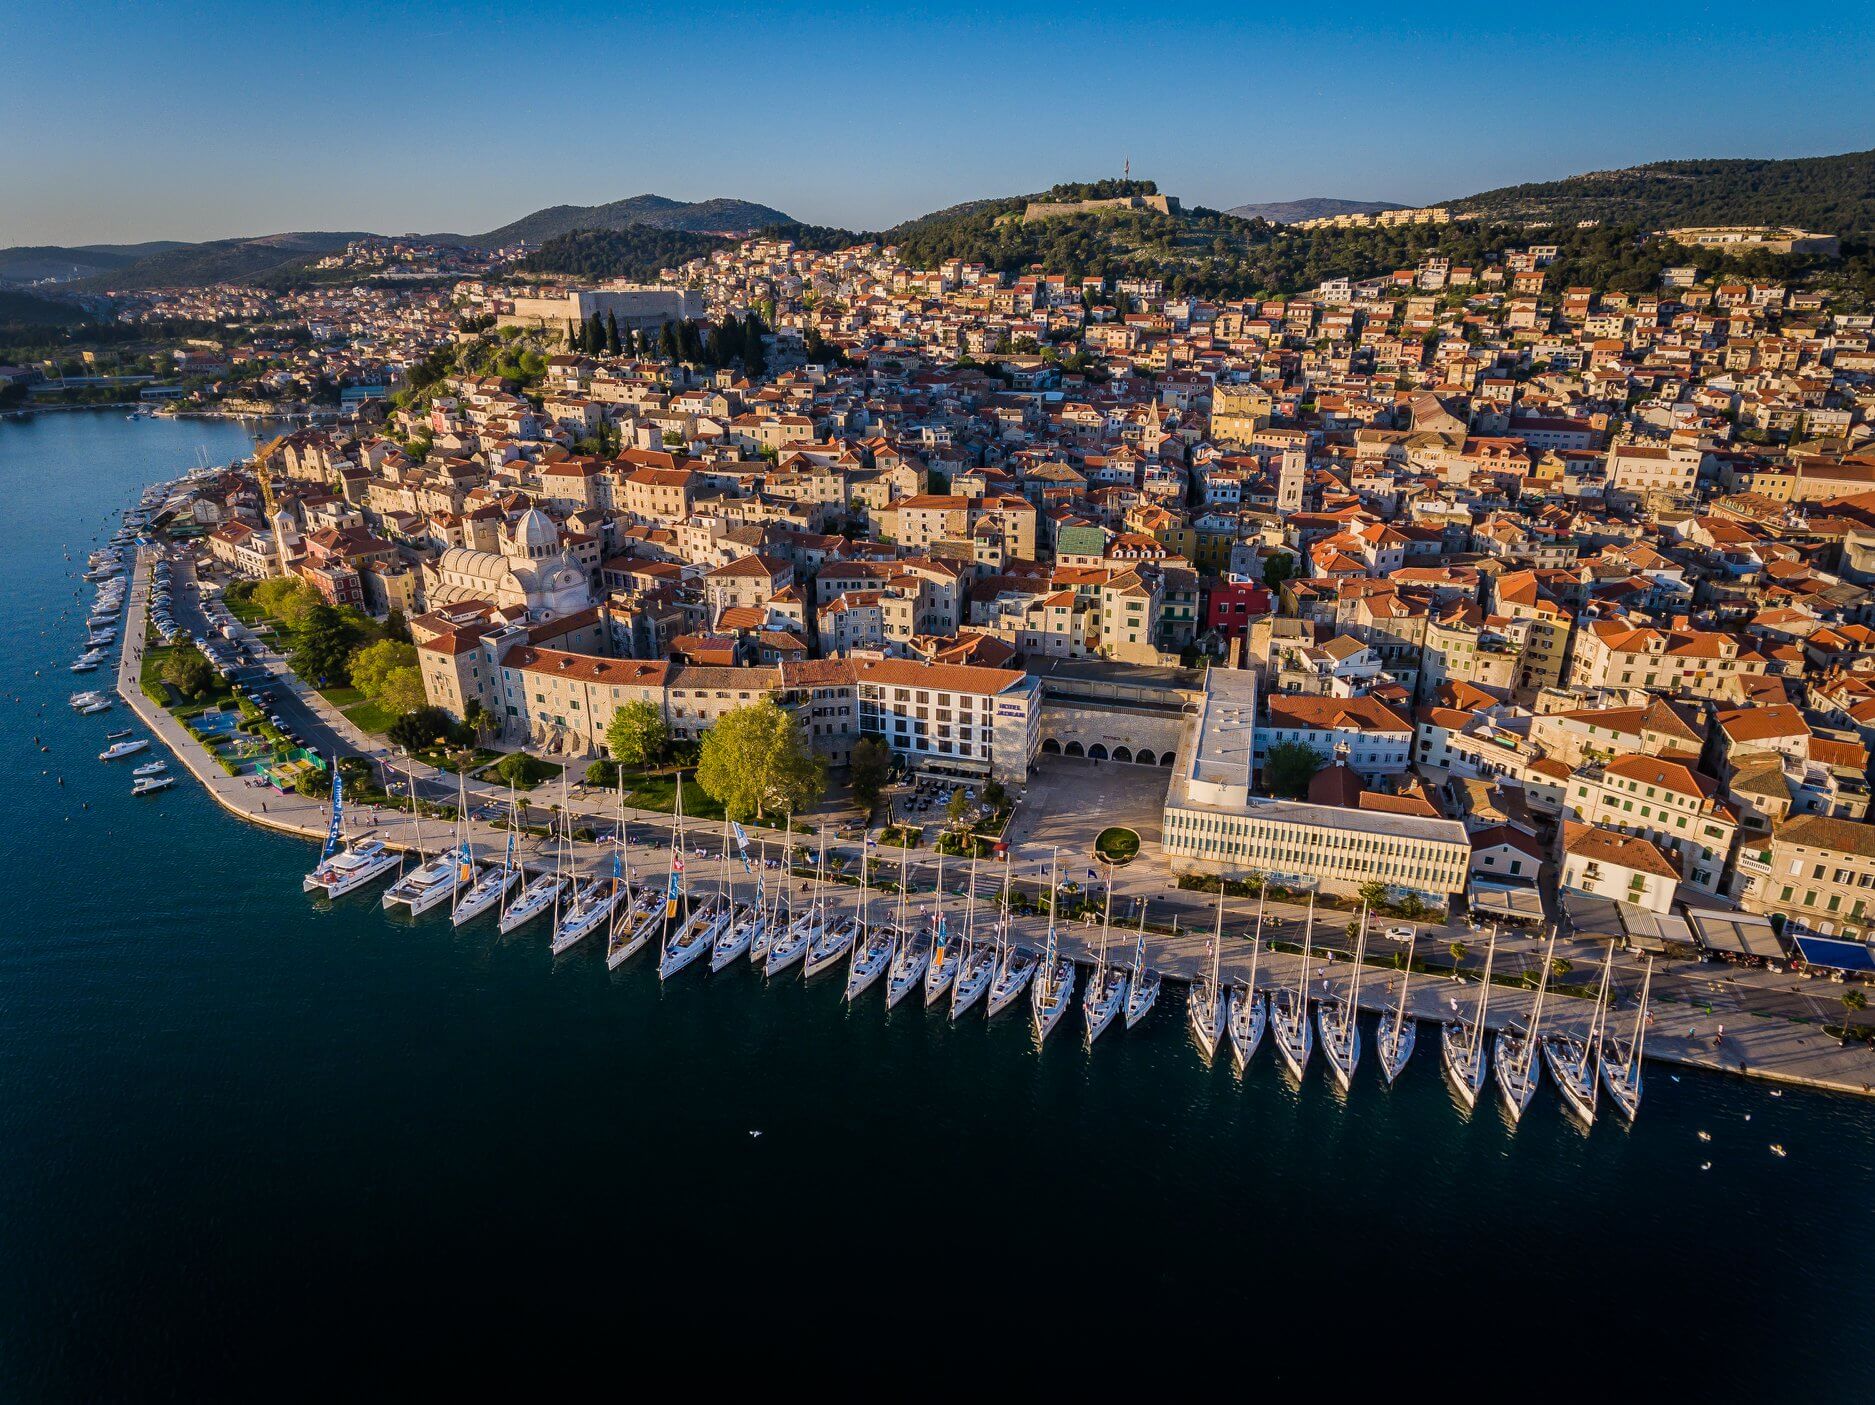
[1853, 1002]
[1459, 952]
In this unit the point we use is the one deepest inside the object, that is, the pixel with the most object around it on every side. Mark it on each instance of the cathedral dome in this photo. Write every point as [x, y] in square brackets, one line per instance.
[535, 534]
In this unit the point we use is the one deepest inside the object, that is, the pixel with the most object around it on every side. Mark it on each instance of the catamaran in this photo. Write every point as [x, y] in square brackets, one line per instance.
[542, 893]
[976, 962]
[1340, 1019]
[476, 893]
[1393, 1042]
[1519, 1069]
[740, 934]
[911, 956]
[1014, 966]
[874, 946]
[426, 885]
[1249, 1012]
[1053, 988]
[947, 956]
[345, 867]
[697, 934]
[1621, 1068]
[1574, 1060]
[1142, 991]
[594, 902]
[1105, 995]
[1205, 1006]
[1461, 1041]
[1289, 1009]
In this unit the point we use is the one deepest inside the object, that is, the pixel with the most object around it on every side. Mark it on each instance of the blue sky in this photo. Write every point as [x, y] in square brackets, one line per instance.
[130, 121]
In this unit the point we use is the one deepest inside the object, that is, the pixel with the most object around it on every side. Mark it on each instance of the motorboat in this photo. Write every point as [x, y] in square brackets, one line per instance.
[116, 751]
[151, 768]
[351, 868]
[149, 785]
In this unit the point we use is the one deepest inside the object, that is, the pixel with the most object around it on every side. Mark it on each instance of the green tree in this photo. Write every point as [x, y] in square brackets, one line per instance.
[396, 626]
[1853, 1003]
[1459, 952]
[372, 664]
[959, 807]
[637, 734]
[425, 726]
[602, 773]
[611, 333]
[754, 354]
[869, 770]
[1374, 893]
[1278, 569]
[323, 646]
[1290, 768]
[287, 598]
[403, 692]
[756, 759]
[479, 719]
[189, 673]
[667, 342]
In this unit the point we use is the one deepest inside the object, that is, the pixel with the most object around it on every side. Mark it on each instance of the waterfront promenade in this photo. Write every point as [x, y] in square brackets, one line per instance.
[1684, 1029]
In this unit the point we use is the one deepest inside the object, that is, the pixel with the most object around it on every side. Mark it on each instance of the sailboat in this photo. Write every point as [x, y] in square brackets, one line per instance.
[1519, 1068]
[912, 956]
[1053, 988]
[476, 893]
[1142, 991]
[872, 950]
[1289, 1009]
[697, 933]
[344, 867]
[946, 955]
[977, 961]
[634, 917]
[739, 935]
[1574, 1060]
[1106, 989]
[542, 893]
[834, 940]
[595, 900]
[791, 943]
[1461, 1041]
[426, 885]
[771, 924]
[1205, 1006]
[1394, 1041]
[1340, 1019]
[1249, 1012]
[1014, 966]
[1621, 1068]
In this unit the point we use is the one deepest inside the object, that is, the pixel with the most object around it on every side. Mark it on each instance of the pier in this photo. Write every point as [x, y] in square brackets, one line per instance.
[1681, 1031]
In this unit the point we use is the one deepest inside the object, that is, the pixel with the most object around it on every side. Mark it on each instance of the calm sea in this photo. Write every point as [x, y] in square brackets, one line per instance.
[253, 1144]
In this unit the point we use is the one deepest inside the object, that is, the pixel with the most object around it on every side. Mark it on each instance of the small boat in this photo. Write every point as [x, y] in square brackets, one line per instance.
[1249, 1012]
[1703, 1135]
[1339, 1019]
[151, 768]
[1142, 990]
[1205, 1007]
[118, 735]
[1574, 1060]
[1393, 1043]
[1289, 1010]
[1519, 1068]
[93, 709]
[116, 751]
[1105, 995]
[149, 785]
[1461, 1042]
[1777, 1149]
[1621, 1067]
[80, 701]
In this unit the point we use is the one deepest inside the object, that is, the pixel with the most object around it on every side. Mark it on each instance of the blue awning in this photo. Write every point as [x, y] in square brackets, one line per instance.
[1836, 954]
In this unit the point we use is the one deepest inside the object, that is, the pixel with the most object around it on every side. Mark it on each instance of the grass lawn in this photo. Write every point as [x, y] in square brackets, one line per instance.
[544, 771]
[660, 793]
[1116, 845]
[368, 716]
[342, 698]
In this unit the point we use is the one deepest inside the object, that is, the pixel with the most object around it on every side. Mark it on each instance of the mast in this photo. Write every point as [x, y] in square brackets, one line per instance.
[1354, 988]
[1536, 1009]
[1139, 947]
[1100, 966]
[563, 866]
[1406, 974]
[462, 848]
[1302, 981]
[1593, 1044]
[674, 886]
[1484, 997]
[1054, 892]
[970, 914]
[1640, 1026]
[416, 820]
[1256, 950]
[937, 914]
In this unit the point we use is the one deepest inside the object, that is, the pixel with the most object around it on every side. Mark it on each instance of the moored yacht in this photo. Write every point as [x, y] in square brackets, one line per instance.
[1205, 1007]
[1052, 990]
[1393, 1042]
[483, 890]
[705, 921]
[947, 955]
[1339, 1019]
[739, 936]
[1105, 995]
[1621, 1067]
[1289, 1010]
[1142, 989]
[1014, 966]
[116, 751]
[1461, 1041]
[1249, 1013]
[351, 868]
[149, 785]
[1574, 1059]
[1519, 1065]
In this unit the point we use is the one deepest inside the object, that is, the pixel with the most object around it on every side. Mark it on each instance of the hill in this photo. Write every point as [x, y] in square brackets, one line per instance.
[636, 252]
[25, 310]
[718, 216]
[1310, 207]
[1830, 194]
[31, 263]
[218, 261]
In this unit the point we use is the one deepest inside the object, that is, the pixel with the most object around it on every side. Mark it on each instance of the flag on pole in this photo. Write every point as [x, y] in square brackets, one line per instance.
[338, 811]
[742, 844]
[670, 899]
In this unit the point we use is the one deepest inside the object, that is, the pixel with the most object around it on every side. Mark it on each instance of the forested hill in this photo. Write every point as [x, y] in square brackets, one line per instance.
[218, 261]
[636, 252]
[719, 216]
[1829, 194]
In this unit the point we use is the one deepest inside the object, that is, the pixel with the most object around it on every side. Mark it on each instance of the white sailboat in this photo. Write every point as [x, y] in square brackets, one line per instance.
[948, 955]
[771, 925]
[835, 941]
[432, 880]
[1339, 1019]
[912, 958]
[739, 936]
[1014, 966]
[1249, 1012]
[1575, 1060]
[1052, 990]
[697, 934]
[1461, 1041]
[1519, 1066]
[542, 892]
[342, 868]
[873, 948]
[493, 883]
[1142, 991]
[1621, 1067]
[1393, 1043]
[594, 901]
[791, 943]
[1105, 996]
[633, 918]
[1205, 1007]
[1289, 1010]
[976, 961]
